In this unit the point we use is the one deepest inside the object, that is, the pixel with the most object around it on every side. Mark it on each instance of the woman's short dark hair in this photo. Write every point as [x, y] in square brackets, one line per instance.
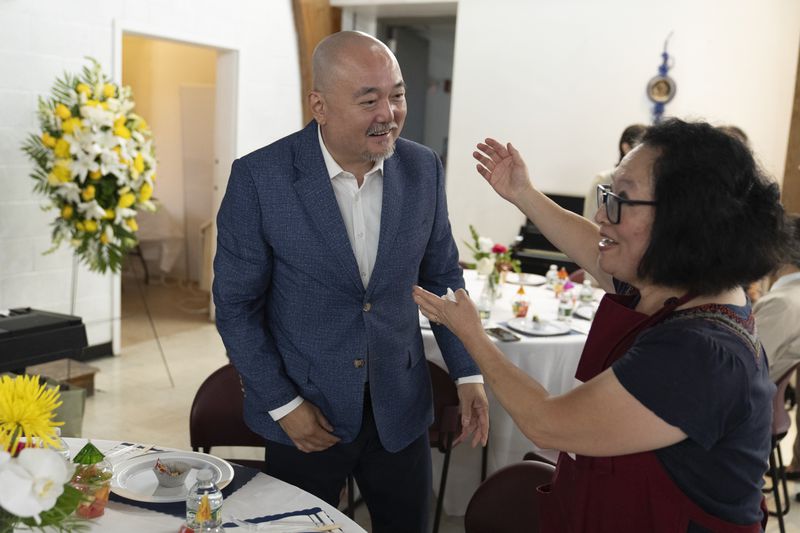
[719, 222]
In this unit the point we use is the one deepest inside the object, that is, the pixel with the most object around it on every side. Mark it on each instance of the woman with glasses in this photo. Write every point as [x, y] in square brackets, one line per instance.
[670, 429]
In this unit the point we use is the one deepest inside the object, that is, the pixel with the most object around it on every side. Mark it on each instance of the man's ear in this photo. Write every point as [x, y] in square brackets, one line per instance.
[316, 102]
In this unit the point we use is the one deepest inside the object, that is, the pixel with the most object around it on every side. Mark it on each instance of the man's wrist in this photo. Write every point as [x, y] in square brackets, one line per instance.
[285, 409]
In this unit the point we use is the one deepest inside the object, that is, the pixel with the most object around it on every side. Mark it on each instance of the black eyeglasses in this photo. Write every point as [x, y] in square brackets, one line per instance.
[614, 203]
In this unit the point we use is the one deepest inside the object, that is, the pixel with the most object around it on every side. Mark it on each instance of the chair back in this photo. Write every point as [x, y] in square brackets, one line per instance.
[446, 420]
[781, 422]
[216, 417]
[507, 501]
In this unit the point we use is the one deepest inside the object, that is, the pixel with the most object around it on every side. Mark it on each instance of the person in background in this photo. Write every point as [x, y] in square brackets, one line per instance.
[670, 430]
[322, 234]
[628, 140]
[778, 321]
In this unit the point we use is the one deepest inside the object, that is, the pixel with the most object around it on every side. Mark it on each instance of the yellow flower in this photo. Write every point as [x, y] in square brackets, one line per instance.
[120, 130]
[61, 172]
[82, 88]
[48, 140]
[71, 124]
[142, 125]
[126, 200]
[63, 111]
[95, 174]
[92, 103]
[104, 238]
[109, 90]
[146, 192]
[27, 409]
[90, 226]
[88, 193]
[131, 222]
[62, 148]
[66, 212]
[110, 214]
[79, 226]
[138, 163]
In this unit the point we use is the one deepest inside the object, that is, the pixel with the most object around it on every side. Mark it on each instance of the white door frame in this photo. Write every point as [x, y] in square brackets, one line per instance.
[225, 124]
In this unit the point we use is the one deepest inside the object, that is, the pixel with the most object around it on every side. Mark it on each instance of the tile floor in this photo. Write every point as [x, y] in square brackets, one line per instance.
[144, 397]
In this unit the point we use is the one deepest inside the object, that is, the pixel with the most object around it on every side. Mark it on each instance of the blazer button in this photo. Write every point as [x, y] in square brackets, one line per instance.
[359, 363]
[367, 307]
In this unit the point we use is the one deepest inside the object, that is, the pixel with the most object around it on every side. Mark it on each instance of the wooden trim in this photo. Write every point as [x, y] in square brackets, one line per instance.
[314, 20]
[791, 174]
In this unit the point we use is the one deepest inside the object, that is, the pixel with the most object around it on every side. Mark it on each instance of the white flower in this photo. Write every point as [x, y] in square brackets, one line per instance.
[485, 244]
[98, 116]
[32, 482]
[485, 266]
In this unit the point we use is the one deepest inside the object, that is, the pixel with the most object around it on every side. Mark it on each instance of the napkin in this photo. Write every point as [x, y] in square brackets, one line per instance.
[449, 295]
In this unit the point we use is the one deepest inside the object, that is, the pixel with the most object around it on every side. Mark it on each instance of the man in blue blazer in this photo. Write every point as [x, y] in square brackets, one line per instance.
[322, 236]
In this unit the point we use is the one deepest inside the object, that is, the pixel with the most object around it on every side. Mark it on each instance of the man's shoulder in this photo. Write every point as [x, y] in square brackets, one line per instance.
[405, 147]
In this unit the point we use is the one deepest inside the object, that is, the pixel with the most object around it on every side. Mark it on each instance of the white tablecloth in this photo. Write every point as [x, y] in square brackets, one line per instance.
[551, 361]
[263, 495]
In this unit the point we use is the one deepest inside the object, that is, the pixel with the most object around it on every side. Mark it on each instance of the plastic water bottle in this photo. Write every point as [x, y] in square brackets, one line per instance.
[551, 276]
[586, 295]
[204, 496]
[565, 306]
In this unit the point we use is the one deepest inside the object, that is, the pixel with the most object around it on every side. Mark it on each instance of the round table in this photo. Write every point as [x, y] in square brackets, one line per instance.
[262, 495]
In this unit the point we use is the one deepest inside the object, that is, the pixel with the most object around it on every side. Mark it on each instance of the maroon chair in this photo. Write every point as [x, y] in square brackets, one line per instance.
[217, 419]
[507, 501]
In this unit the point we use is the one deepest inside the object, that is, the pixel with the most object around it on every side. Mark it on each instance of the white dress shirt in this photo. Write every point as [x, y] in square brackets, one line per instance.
[361, 212]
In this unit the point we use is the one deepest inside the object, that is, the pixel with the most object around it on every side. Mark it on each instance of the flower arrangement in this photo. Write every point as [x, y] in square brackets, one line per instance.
[94, 160]
[34, 482]
[491, 259]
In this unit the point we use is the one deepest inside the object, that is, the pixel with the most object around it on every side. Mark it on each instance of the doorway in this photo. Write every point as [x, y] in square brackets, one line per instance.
[186, 91]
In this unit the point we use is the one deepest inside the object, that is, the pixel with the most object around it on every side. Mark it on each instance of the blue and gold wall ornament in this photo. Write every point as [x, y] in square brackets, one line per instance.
[661, 89]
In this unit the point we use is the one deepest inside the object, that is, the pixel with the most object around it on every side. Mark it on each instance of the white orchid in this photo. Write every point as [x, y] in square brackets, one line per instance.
[32, 482]
[485, 244]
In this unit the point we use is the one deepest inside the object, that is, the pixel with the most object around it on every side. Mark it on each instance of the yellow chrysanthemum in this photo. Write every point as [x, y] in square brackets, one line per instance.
[131, 222]
[79, 226]
[110, 214]
[126, 200]
[61, 172]
[62, 148]
[122, 131]
[138, 163]
[90, 226]
[109, 90]
[48, 140]
[146, 192]
[27, 409]
[82, 88]
[95, 174]
[62, 112]
[88, 193]
[66, 212]
[71, 124]
[92, 103]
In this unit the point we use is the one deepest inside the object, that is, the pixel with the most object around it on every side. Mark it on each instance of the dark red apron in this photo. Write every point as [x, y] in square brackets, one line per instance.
[629, 493]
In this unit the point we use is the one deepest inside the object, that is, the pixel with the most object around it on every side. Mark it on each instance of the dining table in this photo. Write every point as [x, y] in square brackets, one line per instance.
[549, 356]
[253, 500]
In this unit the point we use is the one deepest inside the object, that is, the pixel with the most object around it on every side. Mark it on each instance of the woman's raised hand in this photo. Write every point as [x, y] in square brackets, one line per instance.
[503, 167]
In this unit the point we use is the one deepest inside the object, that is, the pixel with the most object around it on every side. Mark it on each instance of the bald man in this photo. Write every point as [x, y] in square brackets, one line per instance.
[322, 236]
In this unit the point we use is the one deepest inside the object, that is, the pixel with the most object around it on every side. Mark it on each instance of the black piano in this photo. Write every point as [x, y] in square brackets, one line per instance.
[534, 251]
[31, 337]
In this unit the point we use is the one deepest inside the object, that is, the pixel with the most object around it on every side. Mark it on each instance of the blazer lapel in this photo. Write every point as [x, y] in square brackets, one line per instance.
[313, 187]
[391, 210]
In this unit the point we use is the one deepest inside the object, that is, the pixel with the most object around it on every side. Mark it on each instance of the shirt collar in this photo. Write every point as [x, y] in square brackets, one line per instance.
[333, 167]
[785, 280]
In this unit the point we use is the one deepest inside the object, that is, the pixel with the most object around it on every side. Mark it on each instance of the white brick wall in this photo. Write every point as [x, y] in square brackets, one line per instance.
[42, 39]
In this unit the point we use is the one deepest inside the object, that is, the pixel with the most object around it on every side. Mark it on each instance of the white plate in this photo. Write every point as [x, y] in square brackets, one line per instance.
[543, 328]
[134, 478]
[585, 311]
[525, 279]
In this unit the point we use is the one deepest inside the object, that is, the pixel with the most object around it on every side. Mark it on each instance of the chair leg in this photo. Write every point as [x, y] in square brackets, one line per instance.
[784, 482]
[776, 492]
[440, 500]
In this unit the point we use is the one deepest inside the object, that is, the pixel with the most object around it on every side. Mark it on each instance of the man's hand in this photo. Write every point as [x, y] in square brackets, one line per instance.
[308, 428]
[474, 409]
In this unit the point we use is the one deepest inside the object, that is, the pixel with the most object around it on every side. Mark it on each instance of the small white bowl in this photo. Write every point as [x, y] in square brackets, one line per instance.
[172, 474]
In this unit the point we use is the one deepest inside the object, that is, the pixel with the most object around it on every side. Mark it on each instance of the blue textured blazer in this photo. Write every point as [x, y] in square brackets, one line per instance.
[291, 307]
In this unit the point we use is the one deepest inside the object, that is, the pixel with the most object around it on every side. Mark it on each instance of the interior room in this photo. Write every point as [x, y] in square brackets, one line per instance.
[106, 271]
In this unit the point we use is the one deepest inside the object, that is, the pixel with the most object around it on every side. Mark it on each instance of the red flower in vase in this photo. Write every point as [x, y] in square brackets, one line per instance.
[499, 249]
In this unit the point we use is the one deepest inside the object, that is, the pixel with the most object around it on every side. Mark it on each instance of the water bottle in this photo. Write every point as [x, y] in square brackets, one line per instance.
[586, 295]
[204, 504]
[565, 305]
[551, 276]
